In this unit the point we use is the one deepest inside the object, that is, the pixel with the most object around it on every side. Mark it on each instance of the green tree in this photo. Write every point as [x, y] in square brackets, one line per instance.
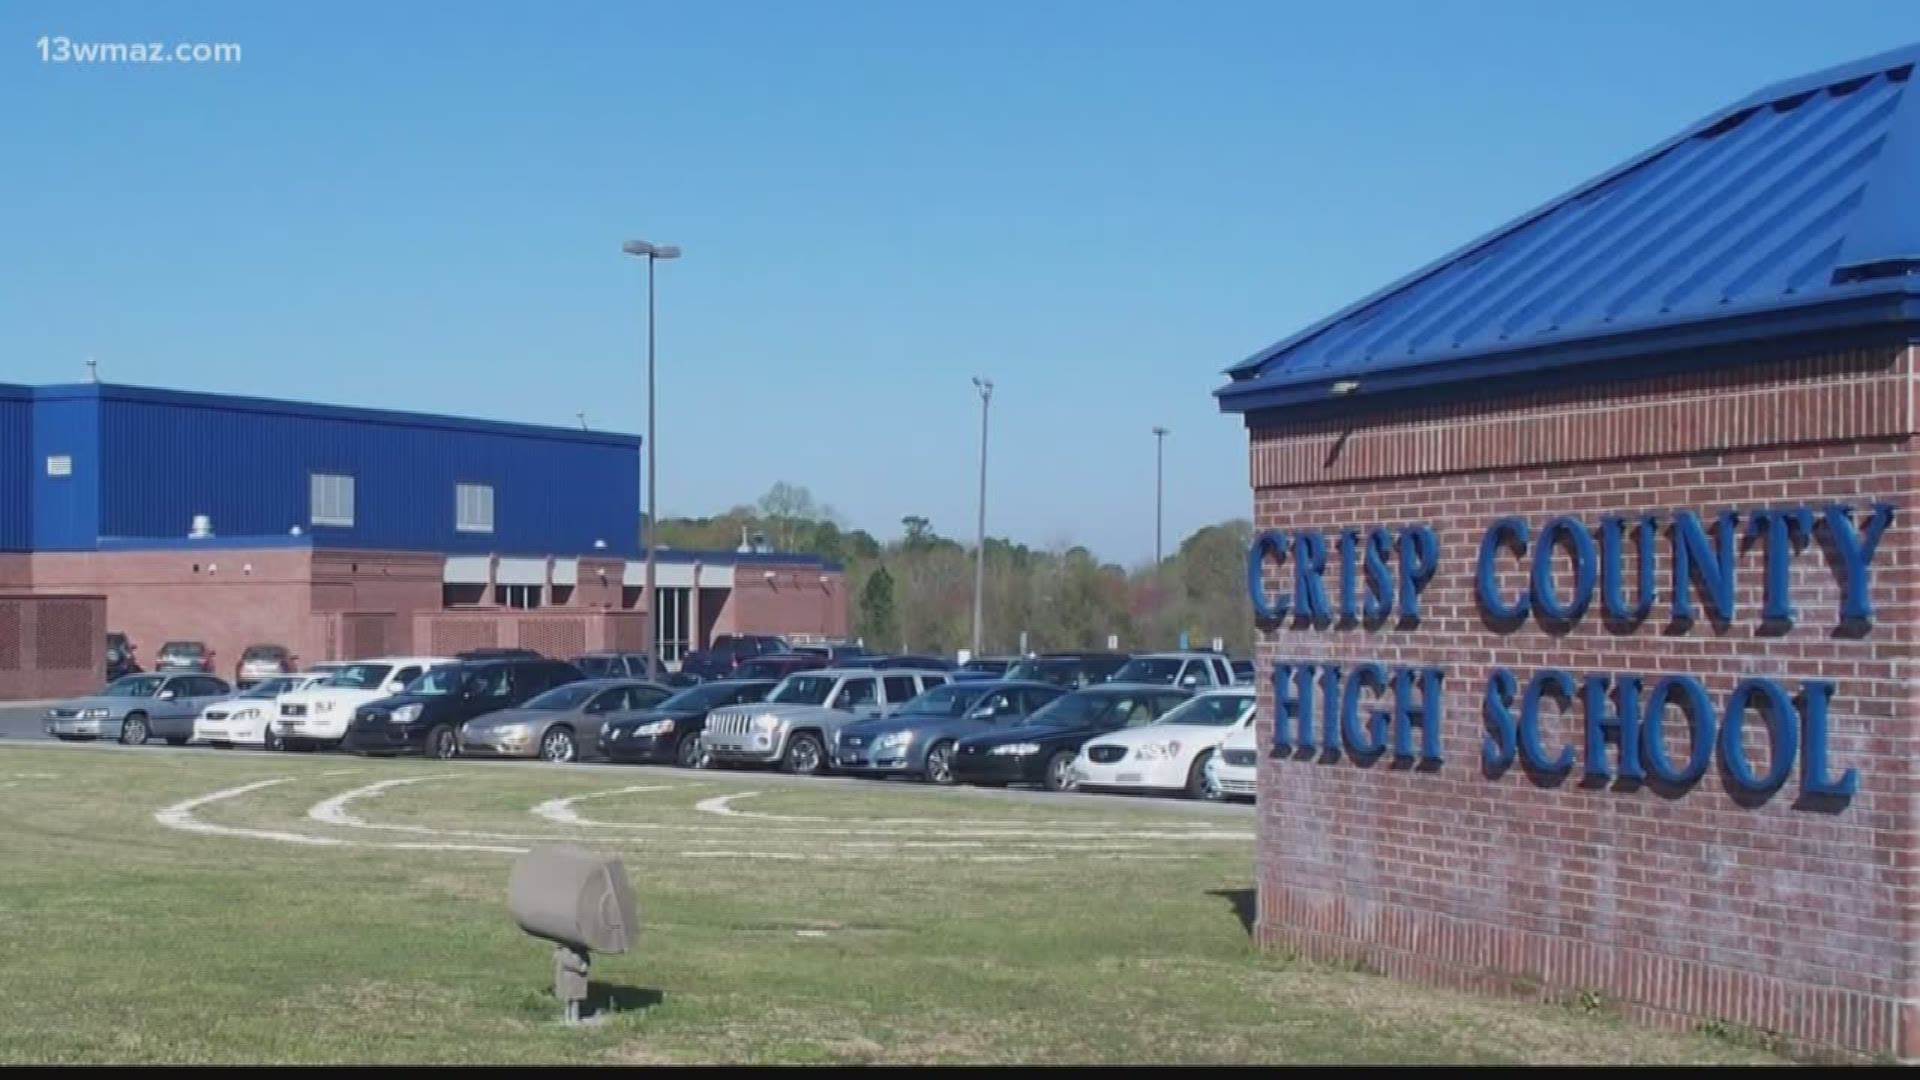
[878, 623]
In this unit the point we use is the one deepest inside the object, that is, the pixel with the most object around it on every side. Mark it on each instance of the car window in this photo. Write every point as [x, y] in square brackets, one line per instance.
[854, 693]
[1222, 672]
[604, 702]
[490, 682]
[900, 688]
[407, 675]
[930, 681]
[997, 704]
[750, 693]
[1034, 697]
[1135, 712]
[646, 697]
[205, 687]
[599, 667]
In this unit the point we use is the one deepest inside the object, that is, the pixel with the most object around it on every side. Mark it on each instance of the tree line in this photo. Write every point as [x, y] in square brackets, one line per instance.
[915, 593]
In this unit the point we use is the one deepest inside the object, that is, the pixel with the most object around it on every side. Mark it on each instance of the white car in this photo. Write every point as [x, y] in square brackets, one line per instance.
[1170, 754]
[318, 717]
[1234, 772]
[1196, 671]
[246, 719]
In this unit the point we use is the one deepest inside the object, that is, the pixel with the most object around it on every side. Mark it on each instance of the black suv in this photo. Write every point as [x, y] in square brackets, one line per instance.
[425, 718]
[727, 651]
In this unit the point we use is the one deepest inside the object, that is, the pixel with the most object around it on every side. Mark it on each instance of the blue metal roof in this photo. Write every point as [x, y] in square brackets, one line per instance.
[1789, 212]
[275, 407]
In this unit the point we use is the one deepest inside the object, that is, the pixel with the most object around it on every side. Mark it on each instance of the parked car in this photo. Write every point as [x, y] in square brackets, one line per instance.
[918, 740]
[1170, 754]
[985, 667]
[492, 653]
[562, 724]
[680, 680]
[120, 661]
[261, 662]
[318, 716]
[1069, 669]
[1234, 772]
[136, 708]
[1040, 748]
[425, 718]
[669, 733]
[184, 656]
[801, 717]
[613, 665]
[246, 718]
[718, 660]
[1195, 669]
[833, 652]
[890, 661]
[1242, 672]
[777, 666]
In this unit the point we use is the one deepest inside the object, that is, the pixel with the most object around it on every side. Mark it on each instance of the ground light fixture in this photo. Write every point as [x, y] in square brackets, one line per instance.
[580, 902]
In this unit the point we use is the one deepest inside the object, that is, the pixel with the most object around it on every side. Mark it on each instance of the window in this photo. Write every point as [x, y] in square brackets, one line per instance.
[332, 502]
[672, 627]
[473, 508]
[407, 675]
[900, 688]
[646, 697]
[854, 693]
[517, 596]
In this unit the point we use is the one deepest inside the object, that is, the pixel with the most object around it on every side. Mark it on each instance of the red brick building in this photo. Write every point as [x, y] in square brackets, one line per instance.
[341, 533]
[1617, 499]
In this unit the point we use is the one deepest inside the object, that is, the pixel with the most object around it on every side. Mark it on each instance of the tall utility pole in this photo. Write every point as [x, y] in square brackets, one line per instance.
[1159, 476]
[652, 253]
[985, 386]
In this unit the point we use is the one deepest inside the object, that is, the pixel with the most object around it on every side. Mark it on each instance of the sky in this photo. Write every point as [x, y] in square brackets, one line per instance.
[1097, 204]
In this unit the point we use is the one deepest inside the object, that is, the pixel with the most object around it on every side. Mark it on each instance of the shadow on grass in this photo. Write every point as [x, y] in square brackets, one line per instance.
[605, 998]
[1245, 905]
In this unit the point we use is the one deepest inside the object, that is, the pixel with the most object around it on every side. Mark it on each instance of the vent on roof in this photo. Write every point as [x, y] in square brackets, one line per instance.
[1725, 124]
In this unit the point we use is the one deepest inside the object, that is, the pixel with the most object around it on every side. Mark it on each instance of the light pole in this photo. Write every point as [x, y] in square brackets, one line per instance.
[652, 253]
[1159, 472]
[985, 386]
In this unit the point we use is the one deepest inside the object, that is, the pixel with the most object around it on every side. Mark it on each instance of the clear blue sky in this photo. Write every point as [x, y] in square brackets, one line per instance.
[1098, 204]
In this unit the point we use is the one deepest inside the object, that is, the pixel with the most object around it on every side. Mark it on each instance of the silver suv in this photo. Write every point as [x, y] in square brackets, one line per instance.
[803, 715]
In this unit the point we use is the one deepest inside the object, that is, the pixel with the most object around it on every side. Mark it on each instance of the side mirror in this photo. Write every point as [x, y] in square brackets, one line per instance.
[167, 695]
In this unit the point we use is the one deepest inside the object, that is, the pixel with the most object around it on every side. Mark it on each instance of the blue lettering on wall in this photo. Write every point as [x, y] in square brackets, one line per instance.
[1626, 719]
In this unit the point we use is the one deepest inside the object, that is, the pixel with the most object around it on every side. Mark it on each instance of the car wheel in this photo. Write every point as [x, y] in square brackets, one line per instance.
[133, 730]
[271, 740]
[441, 743]
[687, 753]
[557, 745]
[940, 764]
[1200, 783]
[804, 756]
[1060, 772]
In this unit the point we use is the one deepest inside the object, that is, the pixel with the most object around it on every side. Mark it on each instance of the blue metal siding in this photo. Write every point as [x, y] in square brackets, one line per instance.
[1764, 207]
[16, 469]
[66, 509]
[169, 457]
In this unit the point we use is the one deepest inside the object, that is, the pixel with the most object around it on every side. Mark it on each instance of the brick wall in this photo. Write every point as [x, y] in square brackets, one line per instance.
[51, 646]
[796, 601]
[1679, 905]
[227, 598]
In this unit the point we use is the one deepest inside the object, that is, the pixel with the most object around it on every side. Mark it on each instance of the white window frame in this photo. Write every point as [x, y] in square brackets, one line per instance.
[330, 499]
[473, 508]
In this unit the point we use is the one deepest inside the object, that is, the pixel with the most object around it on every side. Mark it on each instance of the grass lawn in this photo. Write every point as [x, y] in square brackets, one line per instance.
[804, 922]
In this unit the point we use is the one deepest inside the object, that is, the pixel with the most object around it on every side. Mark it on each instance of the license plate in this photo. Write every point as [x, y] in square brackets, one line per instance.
[1129, 777]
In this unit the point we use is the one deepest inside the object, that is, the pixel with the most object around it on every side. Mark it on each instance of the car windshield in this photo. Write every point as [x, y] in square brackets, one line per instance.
[802, 690]
[182, 648]
[439, 682]
[360, 676]
[1072, 710]
[1053, 671]
[704, 696]
[954, 699]
[1211, 710]
[264, 652]
[1149, 669]
[562, 698]
[267, 688]
[134, 686]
